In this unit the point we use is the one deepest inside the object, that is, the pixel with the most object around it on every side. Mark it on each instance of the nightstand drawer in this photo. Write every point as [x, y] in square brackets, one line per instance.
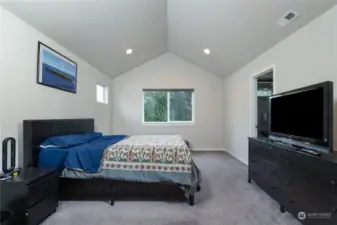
[41, 188]
[39, 212]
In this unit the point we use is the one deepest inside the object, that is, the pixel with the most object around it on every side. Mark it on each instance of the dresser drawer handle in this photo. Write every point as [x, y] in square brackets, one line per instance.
[273, 188]
[291, 201]
[254, 173]
[253, 161]
[290, 182]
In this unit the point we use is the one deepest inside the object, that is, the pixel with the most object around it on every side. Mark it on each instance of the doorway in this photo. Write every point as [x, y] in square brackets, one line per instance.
[263, 86]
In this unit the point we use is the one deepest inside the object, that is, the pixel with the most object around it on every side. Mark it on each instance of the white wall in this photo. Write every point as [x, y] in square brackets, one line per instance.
[308, 56]
[21, 98]
[169, 71]
[1, 13]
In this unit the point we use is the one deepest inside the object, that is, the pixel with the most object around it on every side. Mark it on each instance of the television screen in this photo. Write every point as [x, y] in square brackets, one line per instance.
[299, 114]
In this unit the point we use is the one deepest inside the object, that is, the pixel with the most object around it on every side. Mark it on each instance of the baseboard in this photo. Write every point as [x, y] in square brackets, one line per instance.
[208, 149]
[238, 158]
[219, 150]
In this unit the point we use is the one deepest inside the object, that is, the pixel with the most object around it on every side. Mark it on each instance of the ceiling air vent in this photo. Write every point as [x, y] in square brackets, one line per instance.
[287, 18]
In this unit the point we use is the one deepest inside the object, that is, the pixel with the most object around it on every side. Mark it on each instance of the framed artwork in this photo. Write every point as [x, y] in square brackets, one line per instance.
[55, 70]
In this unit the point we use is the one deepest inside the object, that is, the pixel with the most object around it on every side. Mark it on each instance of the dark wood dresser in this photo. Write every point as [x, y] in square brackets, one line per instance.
[304, 185]
[41, 187]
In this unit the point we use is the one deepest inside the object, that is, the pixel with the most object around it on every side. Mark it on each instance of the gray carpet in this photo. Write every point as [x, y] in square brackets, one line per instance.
[226, 198]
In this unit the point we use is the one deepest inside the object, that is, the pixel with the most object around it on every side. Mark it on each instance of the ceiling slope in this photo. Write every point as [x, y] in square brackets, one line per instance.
[100, 31]
[236, 31]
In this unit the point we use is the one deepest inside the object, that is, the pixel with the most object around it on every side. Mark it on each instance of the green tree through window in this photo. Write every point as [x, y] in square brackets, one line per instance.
[168, 106]
[155, 106]
[180, 106]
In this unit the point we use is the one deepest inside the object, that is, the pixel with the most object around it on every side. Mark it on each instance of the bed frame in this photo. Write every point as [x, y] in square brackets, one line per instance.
[36, 131]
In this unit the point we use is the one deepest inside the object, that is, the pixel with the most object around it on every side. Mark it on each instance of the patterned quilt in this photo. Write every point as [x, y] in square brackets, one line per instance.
[150, 158]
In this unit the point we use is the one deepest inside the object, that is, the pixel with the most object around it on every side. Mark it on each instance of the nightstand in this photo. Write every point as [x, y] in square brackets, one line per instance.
[13, 198]
[42, 188]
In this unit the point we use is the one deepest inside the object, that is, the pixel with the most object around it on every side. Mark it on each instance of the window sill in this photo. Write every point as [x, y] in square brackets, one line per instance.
[168, 123]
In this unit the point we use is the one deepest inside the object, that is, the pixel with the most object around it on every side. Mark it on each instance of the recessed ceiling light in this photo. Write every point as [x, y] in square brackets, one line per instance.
[129, 51]
[207, 51]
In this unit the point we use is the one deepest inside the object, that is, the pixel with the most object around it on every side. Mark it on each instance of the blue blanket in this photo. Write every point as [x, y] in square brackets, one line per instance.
[87, 157]
[70, 140]
[81, 152]
[53, 157]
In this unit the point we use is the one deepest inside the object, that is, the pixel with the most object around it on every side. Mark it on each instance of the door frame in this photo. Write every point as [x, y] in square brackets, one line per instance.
[253, 95]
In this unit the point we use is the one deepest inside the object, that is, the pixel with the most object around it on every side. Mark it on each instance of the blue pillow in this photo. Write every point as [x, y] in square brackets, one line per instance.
[70, 140]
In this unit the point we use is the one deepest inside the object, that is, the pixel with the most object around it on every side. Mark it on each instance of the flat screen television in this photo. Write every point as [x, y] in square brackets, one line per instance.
[304, 114]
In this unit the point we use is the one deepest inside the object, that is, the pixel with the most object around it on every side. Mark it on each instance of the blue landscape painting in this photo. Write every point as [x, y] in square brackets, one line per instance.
[57, 71]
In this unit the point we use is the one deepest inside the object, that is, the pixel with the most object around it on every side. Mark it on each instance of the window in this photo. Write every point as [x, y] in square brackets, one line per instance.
[102, 94]
[265, 92]
[168, 106]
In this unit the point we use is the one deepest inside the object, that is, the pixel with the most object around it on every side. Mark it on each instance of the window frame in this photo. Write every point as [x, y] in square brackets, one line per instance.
[169, 122]
[105, 94]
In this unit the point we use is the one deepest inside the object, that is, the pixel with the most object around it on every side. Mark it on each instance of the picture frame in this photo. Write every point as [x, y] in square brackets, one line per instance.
[55, 70]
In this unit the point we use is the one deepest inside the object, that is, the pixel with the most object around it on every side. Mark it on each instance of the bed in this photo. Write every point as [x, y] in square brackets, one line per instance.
[119, 178]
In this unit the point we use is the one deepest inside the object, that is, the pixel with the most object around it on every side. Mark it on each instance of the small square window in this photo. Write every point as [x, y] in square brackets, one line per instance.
[102, 94]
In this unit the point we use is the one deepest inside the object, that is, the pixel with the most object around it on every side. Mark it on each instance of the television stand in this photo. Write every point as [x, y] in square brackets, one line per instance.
[298, 180]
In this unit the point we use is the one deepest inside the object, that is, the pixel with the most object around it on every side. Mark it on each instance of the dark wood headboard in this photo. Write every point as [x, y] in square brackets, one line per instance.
[36, 131]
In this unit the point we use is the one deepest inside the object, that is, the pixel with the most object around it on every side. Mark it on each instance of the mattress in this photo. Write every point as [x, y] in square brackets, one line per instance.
[77, 174]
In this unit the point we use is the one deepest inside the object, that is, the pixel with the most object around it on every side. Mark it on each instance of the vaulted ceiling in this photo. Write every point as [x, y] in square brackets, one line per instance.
[100, 31]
